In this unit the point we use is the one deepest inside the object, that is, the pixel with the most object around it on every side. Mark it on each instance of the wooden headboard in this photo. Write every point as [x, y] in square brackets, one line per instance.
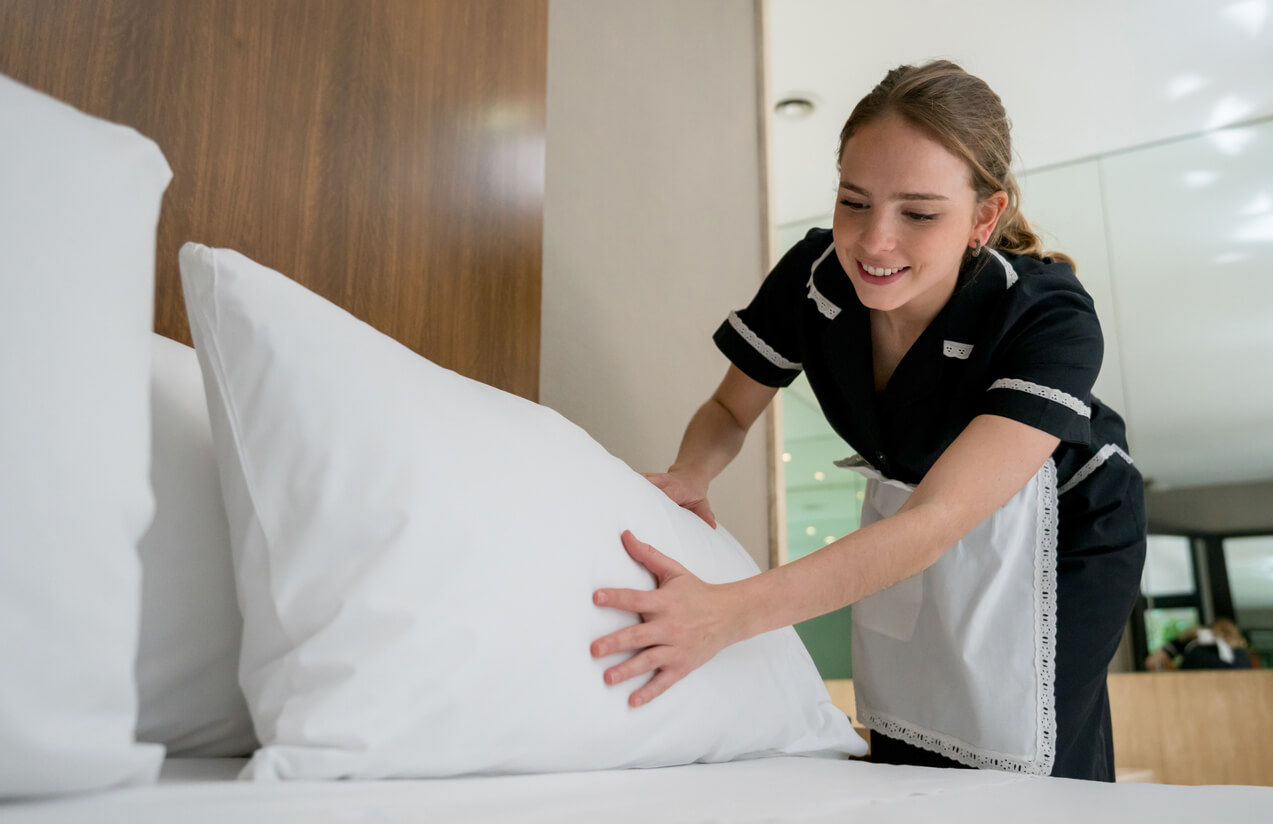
[388, 154]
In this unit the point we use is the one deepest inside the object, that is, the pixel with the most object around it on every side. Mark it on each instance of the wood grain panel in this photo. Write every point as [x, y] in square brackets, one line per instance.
[388, 154]
[1184, 727]
[1203, 727]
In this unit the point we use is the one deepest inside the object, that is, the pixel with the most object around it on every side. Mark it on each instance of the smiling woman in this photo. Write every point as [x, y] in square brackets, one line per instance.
[1003, 523]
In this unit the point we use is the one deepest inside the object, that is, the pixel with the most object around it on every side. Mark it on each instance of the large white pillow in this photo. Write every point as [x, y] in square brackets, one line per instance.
[188, 662]
[416, 552]
[79, 206]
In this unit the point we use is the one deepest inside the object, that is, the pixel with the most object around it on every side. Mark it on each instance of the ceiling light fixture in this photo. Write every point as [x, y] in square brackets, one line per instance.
[795, 107]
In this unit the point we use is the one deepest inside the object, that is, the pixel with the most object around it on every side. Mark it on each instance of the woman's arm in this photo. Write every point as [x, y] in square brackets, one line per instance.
[686, 621]
[713, 438]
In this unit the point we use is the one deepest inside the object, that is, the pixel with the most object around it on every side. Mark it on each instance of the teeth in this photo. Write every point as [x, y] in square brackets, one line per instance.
[881, 273]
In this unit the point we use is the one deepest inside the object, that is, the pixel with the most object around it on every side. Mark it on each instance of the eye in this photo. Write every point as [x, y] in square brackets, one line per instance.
[920, 217]
[853, 205]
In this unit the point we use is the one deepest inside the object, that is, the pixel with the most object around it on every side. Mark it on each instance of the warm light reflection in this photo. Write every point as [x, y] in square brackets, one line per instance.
[1248, 14]
[786, 457]
[819, 476]
[1184, 84]
[1199, 178]
[828, 540]
[510, 116]
[811, 530]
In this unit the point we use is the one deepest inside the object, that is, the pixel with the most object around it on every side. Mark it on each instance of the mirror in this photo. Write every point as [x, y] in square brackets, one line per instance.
[1151, 164]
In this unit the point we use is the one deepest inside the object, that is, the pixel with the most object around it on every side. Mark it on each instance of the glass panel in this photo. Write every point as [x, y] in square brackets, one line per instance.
[1190, 231]
[1168, 569]
[1249, 562]
[1162, 625]
[824, 503]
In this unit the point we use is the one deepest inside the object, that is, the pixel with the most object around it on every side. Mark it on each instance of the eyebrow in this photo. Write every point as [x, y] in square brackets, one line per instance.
[844, 184]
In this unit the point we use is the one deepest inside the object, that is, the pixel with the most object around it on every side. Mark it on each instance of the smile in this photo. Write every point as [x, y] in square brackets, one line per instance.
[879, 273]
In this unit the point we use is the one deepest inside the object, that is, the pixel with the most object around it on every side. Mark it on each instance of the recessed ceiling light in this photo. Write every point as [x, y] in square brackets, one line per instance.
[795, 107]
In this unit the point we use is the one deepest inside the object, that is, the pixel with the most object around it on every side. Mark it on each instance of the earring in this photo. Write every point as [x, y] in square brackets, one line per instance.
[976, 246]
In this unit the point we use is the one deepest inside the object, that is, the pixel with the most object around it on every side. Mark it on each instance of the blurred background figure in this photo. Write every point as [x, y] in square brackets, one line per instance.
[1218, 646]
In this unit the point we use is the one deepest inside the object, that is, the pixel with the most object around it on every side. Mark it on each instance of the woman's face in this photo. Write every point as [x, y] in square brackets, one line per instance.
[905, 212]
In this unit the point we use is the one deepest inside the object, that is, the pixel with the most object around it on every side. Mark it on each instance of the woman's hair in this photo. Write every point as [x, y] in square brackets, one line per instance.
[964, 115]
[1226, 630]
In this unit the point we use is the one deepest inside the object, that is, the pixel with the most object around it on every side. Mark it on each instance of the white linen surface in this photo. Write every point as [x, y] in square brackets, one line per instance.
[416, 554]
[784, 789]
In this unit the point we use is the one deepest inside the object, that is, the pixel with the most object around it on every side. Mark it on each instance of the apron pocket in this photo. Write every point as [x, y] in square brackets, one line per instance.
[894, 611]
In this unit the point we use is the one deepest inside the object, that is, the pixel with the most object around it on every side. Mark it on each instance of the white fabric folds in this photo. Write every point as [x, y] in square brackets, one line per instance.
[79, 206]
[188, 657]
[415, 554]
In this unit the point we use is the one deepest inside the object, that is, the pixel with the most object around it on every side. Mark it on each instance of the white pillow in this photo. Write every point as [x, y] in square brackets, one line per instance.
[188, 662]
[416, 553]
[79, 205]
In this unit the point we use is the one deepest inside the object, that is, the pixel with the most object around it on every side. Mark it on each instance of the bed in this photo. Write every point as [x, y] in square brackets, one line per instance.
[769, 790]
[182, 609]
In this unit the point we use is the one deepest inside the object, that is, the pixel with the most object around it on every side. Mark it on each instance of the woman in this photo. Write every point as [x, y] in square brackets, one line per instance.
[1003, 528]
[1219, 646]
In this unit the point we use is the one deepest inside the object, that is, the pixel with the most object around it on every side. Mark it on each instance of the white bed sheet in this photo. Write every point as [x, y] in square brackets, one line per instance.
[787, 789]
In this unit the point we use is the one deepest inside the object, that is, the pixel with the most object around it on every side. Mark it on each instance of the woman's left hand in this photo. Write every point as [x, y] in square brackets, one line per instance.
[685, 622]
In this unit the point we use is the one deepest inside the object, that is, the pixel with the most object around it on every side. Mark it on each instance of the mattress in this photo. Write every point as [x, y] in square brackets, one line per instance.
[786, 789]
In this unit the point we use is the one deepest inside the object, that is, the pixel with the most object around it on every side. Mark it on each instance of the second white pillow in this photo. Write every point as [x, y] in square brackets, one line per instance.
[415, 554]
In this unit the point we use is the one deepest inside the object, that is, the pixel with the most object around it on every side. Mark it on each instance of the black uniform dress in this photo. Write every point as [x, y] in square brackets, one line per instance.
[1018, 338]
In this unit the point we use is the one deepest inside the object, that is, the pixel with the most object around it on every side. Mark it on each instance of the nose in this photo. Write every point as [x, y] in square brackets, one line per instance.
[878, 234]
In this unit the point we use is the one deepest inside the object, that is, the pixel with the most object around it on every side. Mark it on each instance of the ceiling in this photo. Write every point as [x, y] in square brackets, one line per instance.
[1078, 78]
[1119, 113]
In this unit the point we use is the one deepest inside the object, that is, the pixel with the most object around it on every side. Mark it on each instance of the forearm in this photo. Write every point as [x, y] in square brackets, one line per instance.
[712, 439]
[860, 564]
[982, 470]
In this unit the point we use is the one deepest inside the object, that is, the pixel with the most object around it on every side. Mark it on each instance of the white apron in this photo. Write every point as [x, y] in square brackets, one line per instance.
[960, 658]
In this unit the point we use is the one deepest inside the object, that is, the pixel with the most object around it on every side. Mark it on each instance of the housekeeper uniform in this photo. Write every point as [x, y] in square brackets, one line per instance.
[996, 655]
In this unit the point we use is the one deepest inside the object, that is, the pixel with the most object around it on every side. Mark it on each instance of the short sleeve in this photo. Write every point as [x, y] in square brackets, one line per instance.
[763, 339]
[1045, 365]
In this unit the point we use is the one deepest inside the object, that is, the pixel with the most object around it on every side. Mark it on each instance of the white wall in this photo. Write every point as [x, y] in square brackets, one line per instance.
[653, 226]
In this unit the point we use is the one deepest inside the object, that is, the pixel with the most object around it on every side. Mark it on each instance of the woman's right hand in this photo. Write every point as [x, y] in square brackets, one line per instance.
[685, 492]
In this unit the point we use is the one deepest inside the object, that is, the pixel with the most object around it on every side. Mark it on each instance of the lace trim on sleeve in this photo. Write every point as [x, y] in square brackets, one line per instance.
[1047, 392]
[760, 346]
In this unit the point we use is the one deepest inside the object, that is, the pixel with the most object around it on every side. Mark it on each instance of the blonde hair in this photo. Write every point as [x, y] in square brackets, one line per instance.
[965, 116]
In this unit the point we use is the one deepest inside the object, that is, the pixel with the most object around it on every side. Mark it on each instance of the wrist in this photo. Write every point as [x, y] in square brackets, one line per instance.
[744, 619]
[691, 475]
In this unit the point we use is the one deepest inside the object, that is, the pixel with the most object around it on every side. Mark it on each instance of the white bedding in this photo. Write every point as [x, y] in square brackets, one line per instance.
[786, 789]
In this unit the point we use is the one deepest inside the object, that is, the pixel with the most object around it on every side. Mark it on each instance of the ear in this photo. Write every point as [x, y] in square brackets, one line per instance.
[987, 215]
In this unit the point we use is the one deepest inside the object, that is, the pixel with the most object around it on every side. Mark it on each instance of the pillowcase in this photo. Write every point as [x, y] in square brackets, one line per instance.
[188, 661]
[416, 552]
[79, 206]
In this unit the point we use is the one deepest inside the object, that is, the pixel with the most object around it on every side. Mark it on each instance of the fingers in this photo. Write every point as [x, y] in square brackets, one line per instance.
[629, 600]
[702, 510]
[639, 664]
[656, 687]
[647, 556]
[634, 637]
